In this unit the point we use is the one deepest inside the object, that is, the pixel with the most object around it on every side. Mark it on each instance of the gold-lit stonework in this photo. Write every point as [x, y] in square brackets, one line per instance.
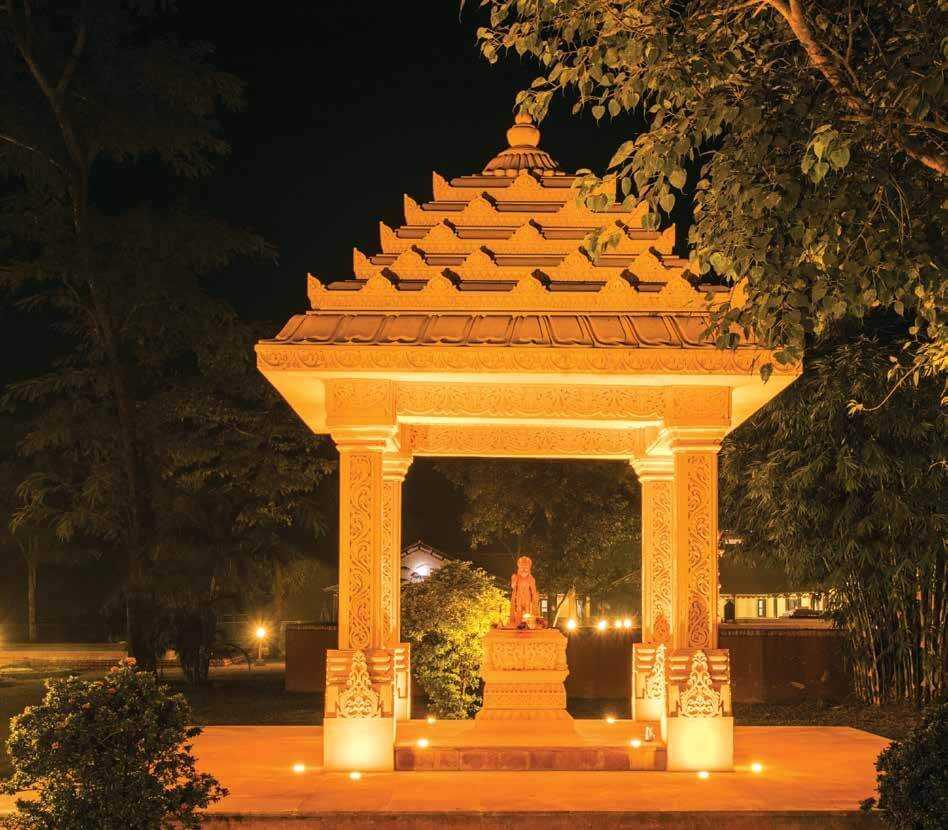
[486, 326]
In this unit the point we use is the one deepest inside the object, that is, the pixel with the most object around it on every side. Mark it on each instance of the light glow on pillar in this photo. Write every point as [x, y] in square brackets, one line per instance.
[423, 743]
[757, 767]
[704, 775]
[355, 775]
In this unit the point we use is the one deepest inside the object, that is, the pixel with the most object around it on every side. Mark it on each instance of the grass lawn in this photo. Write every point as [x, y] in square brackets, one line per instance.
[893, 721]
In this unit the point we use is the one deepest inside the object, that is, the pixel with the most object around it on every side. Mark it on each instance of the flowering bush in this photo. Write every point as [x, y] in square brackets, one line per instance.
[110, 754]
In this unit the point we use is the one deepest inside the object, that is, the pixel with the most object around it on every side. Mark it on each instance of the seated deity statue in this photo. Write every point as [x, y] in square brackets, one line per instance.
[524, 598]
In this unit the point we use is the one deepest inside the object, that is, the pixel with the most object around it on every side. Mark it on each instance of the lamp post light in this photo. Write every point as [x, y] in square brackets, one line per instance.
[261, 635]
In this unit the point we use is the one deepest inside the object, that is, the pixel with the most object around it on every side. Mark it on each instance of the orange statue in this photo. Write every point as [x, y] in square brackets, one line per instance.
[524, 599]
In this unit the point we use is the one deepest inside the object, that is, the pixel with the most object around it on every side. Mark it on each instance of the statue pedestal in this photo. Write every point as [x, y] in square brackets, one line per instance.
[523, 673]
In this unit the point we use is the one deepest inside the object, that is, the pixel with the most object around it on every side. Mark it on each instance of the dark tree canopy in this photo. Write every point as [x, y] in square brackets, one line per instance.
[854, 503]
[810, 136]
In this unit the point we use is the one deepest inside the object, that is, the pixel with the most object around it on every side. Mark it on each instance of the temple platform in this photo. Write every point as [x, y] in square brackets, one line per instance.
[573, 745]
[811, 777]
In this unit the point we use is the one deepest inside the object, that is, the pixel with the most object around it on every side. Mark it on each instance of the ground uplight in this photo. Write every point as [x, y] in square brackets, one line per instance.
[355, 775]
[704, 774]
[757, 767]
[299, 769]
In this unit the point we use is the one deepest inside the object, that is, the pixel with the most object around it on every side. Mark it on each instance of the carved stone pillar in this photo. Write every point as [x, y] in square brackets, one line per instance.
[361, 617]
[656, 477]
[695, 522]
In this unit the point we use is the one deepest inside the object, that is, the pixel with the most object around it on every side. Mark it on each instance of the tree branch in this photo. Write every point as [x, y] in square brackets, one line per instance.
[831, 71]
[9, 139]
[70, 69]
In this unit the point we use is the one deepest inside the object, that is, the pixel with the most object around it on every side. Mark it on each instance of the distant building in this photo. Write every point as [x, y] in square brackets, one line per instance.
[747, 594]
[420, 560]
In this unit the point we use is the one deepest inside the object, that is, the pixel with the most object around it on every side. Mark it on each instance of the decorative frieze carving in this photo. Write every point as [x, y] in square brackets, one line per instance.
[355, 401]
[522, 441]
[492, 400]
[484, 359]
[700, 406]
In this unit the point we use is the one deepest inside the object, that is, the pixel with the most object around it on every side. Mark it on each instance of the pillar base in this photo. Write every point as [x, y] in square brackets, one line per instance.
[364, 744]
[696, 744]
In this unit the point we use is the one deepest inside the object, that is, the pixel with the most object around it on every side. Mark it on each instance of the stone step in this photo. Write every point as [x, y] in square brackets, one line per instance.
[649, 756]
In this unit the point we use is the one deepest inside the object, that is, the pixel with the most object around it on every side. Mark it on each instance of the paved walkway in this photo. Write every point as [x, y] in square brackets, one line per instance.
[806, 770]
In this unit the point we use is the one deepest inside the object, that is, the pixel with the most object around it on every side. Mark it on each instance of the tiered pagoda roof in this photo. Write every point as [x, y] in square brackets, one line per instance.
[498, 258]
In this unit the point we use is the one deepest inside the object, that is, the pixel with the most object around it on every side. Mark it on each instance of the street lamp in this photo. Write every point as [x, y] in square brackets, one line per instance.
[261, 635]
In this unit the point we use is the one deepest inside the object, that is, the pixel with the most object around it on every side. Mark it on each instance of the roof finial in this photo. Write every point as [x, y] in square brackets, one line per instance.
[523, 153]
[524, 132]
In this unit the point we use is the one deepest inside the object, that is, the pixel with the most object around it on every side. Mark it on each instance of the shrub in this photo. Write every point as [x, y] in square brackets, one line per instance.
[444, 618]
[913, 775]
[110, 754]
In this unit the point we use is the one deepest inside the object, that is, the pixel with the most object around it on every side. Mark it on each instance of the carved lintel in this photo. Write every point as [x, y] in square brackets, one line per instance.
[359, 401]
[698, 406]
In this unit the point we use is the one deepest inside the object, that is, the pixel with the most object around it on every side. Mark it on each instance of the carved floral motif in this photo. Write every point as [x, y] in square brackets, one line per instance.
[530, 401]
[699, 699]
[274, 357]
[698, 470]
[655, 683]
[658, 581]
[390, 556]
[358, 699]
[521, 441]
[357, 467]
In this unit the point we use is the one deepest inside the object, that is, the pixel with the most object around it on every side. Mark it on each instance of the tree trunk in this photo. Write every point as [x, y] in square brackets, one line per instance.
[279, 592]
[31, 571]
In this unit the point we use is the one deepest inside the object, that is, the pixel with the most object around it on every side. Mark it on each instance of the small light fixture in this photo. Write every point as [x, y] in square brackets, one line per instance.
[431, 720]
[627, 623]
[635, 743]
[757, 767]
[571, 624]
[423, 743]
[260, 633]
[617, 624]
[704, 775]
[355, 775]
[299, 769]
[602, 625]
[610, 718]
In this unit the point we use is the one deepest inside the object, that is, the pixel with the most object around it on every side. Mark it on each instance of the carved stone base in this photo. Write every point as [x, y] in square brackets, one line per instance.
[523, 675]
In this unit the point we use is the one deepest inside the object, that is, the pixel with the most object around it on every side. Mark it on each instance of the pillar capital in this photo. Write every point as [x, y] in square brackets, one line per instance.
[693, 439]
[366, 438]
[654, 468]
[395, 466]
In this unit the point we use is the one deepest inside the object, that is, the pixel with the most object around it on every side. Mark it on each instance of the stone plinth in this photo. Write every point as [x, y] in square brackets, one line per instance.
[523, 673]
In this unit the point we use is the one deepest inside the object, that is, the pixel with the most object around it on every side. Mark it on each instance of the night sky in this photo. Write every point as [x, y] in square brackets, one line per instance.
[349, 106]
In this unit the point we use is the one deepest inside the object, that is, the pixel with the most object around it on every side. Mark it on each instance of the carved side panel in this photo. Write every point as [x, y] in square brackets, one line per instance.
[360, 497]
[658, 559]
[700, 470]
[520, 441]
[390, 558]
